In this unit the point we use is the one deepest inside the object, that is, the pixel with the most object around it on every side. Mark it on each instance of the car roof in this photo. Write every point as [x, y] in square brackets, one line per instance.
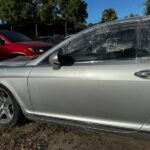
[125, 21]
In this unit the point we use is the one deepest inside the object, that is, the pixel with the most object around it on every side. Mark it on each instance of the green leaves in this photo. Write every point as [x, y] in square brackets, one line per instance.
[14, 10]
[132, 15]
[147, 7]
[109, 15]
[74, 10]
[43, 10]
[47, 10]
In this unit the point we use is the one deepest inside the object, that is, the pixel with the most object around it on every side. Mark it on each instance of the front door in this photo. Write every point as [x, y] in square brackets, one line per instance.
[100, 87]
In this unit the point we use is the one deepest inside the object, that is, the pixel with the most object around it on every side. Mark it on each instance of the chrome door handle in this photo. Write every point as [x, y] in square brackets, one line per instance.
[145, 74]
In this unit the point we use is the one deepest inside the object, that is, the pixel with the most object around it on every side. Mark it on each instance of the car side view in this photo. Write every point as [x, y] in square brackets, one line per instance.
[13, 44]
[99, 77]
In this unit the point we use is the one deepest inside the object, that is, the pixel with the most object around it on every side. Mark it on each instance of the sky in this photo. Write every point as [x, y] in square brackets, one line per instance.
[122, 7]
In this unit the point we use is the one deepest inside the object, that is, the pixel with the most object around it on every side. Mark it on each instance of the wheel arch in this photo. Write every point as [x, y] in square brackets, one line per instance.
[13, 54]
[12, 90]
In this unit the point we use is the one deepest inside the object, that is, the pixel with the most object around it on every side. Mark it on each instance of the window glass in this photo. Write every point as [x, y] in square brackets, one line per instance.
[96, 45]
[15, 36]
[144, 40]
[1, 39]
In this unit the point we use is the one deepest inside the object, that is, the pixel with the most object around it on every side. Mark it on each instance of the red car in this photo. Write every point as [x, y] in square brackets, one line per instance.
[14, 44]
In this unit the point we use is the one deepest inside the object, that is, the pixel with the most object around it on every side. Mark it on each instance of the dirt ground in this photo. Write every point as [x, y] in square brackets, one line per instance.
[43, 136]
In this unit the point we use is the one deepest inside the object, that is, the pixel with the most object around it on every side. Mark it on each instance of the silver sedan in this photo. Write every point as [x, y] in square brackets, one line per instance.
[98, 78]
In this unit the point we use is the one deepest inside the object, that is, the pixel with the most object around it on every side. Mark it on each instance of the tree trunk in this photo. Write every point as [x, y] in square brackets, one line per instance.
[66, 28]
[11, 28]
[75, 29]
[36, 30]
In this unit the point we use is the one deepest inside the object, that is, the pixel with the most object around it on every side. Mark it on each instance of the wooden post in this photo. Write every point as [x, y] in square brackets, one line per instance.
[66, 28]
[11, 28]
[36, 30]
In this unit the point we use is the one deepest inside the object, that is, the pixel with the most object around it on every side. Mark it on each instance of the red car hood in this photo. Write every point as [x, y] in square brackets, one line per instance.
[34, 44]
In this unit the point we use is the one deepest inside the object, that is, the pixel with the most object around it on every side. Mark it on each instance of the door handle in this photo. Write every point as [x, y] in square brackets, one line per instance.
[145, 74]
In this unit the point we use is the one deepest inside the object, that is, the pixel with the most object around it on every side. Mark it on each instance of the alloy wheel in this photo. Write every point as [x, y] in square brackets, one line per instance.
[6, 107]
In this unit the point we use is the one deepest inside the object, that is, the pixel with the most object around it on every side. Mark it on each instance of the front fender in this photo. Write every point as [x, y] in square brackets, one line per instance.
[18, 88]
[15, 79]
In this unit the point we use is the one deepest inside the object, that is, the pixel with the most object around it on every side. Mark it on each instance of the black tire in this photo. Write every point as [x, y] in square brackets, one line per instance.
[16, 55]
[15, 111]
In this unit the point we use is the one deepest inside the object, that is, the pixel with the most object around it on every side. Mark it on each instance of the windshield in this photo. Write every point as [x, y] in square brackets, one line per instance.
[15, 36]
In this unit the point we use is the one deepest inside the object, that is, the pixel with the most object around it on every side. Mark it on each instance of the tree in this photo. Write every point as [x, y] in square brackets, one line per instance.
[73, 11]
[16, 10]
[132, 15]
[90, 25]
[48, 10]
[147, 7]
[109, 15]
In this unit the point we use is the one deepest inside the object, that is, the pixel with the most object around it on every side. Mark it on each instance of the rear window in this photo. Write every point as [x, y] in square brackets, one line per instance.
[15, 36]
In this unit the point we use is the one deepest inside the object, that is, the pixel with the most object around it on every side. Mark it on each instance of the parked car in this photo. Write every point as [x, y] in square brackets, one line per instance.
[14, 44]
[53, 40]
[99, 77]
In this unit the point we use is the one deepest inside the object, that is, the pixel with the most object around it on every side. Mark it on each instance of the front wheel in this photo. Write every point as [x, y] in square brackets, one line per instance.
[17, 55]
[10, 112]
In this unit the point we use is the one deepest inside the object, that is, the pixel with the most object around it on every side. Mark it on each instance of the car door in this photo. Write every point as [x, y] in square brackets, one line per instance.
[100, 87]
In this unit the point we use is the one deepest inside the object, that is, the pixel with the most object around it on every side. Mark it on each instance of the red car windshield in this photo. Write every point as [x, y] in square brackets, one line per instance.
[15, 36]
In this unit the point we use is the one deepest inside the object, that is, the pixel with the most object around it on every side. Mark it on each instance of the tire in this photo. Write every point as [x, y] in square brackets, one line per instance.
[10, 111]
[16, 55]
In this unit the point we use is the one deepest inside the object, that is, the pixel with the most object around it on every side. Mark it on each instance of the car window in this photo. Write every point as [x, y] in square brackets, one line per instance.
[112, 44]
[144, 40]
[1, 39]
[15, 36]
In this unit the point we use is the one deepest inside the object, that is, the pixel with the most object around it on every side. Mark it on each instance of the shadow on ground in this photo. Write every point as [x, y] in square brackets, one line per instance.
[43, 136]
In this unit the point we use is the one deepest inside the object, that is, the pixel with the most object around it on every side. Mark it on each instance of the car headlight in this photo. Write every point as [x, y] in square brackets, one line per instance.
[37, 50]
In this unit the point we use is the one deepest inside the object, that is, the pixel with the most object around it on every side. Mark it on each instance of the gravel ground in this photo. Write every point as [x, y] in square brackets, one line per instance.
[43, 136]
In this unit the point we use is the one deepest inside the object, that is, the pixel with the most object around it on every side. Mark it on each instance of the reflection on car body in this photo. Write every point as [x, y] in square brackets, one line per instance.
[98, 78]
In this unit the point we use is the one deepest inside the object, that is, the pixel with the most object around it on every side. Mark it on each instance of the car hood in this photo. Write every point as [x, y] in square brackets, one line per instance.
[34, 44]
[18, 61]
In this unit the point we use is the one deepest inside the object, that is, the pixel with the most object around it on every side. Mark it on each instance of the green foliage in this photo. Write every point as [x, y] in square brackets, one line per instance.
[132, 15]
[109, 15]
[48, 10]
[73, 10]
[15, 10]
[43, 10]
[90, 25]
[147, 7]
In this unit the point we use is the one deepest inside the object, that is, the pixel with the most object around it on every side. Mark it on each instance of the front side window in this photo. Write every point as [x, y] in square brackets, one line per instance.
[96, 45]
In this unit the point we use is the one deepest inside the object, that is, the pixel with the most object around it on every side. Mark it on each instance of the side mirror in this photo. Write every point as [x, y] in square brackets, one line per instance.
[53, 60]
[57, 60]
[2, 42]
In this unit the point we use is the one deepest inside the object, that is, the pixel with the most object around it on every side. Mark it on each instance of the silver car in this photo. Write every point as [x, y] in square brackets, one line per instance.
[98, 78]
